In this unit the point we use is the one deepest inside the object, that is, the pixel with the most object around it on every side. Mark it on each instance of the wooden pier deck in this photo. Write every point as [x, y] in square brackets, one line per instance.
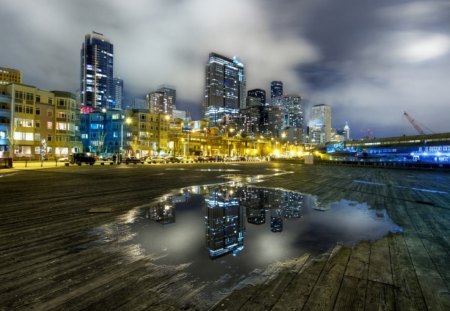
[50, 258]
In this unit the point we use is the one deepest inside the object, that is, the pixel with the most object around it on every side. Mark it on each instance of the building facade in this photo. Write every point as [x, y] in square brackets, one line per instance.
[320, 124]
[118, 93]
[147, 133]
[97, 73]
[224, 90]
[37, 124]
[9, 75]
[276, 89]
[161, 101]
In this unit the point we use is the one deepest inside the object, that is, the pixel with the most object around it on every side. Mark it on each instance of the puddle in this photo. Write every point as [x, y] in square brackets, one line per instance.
[225, 233]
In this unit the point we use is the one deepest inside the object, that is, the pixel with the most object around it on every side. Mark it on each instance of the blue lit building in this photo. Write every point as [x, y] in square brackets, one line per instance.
[102, 131]
[224, 89]
[417, 150]
[97, 73]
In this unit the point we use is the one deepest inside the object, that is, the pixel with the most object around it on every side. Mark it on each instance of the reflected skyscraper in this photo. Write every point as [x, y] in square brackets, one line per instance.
[224, 222]
[162, 212]
[276, 221]
[97, 73]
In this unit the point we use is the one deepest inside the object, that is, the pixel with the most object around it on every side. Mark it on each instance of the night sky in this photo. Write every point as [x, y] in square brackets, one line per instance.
[370, 60]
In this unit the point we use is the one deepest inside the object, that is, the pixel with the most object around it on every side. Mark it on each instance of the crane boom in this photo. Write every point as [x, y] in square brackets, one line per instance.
[414, 123]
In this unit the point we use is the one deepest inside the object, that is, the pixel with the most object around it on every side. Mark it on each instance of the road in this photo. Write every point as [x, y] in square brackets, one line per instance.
[51, 257]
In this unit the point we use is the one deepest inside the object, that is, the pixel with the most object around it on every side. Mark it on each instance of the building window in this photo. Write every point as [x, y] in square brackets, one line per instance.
[19, 95]
[61, 126]
[37, 137]
[50, 101]
[38, 111]
[49, 137]
[38, 98]
[49, 113]
[49, 125]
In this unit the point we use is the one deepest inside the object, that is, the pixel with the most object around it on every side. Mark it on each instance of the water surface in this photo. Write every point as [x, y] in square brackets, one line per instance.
[226, 232]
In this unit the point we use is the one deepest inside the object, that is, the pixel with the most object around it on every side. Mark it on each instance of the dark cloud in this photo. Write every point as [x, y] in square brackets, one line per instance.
[369, 60]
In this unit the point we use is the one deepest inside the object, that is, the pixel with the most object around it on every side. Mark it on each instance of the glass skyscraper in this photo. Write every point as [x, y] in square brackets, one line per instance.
[225, 88]
[97, 73]
[276, 89]
[118, 92]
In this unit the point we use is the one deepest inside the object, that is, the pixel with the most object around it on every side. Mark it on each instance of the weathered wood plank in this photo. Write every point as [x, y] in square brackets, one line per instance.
[379, 296]
[408, 294]
[295, 296]
[324, 293]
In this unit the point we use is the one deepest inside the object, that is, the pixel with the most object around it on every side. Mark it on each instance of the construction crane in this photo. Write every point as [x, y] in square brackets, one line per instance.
[414, 123]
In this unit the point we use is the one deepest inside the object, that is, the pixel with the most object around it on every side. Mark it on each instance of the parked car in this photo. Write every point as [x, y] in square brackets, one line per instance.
[134, 160]
[63, 159]
[156, 160]
[173, 159]
[80, 158]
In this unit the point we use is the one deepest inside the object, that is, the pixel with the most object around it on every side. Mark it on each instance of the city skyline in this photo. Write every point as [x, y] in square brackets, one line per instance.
[369, 62]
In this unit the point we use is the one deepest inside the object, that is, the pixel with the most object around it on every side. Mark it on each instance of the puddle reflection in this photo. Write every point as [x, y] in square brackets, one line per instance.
[225, 232]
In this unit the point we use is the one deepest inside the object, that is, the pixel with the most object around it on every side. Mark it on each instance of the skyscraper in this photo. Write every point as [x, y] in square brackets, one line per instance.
[320, 124]
[161, 101]
[224, 89]
[293, 117]
[118, 92]
[170, 92]
[97, 73]
[276, 89]
[258, 93]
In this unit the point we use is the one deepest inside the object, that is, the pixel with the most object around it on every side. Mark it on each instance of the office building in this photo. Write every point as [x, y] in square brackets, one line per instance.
[170, 92]
[118, 93]
[224, 89]
[8, 75]
[276, 89]
[258, 93]
[293, 118]
[160, 102]
[320, 124]
[97, 73]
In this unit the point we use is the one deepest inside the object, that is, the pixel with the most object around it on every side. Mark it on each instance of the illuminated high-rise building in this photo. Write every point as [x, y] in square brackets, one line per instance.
[161, 101]
[8, 75]
[170, 92]
[97, 73]
[320, 124]
[118, 92]
[224, 88]
[258, 93]
[276, 89]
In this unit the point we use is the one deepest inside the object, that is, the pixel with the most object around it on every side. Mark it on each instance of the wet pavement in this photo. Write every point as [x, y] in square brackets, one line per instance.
[225, 234]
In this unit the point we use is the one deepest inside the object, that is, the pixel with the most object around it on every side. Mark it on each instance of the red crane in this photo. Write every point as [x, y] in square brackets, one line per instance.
[414, 123]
